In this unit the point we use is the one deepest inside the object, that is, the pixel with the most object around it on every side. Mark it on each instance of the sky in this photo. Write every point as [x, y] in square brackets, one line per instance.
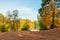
[28, 9]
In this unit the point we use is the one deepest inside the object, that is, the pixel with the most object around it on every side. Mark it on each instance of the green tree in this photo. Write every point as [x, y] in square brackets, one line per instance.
[42, 26]
[44, 2]
[41, 10]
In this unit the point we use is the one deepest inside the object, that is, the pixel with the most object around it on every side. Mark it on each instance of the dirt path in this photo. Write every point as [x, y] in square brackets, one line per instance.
[53, 34]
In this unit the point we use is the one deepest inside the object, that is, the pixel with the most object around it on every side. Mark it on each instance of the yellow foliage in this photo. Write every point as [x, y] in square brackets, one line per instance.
[1, 23]
[47, 18]
[30, 23]
[57, 22]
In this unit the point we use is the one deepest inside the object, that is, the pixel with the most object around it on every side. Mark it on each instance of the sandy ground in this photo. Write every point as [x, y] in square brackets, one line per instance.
[52, 34]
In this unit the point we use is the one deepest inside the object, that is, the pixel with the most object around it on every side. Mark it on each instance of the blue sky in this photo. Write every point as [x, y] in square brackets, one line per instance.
[28, 9]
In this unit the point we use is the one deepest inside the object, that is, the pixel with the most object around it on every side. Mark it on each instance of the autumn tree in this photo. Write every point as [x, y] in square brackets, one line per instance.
[48, 7]
[25, 27]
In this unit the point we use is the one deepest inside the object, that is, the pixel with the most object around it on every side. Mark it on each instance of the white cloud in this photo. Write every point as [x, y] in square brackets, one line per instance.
[28, 13]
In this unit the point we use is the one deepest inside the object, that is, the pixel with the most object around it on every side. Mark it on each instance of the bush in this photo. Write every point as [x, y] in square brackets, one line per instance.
[3, 28]
[42, 26]
[25, 27]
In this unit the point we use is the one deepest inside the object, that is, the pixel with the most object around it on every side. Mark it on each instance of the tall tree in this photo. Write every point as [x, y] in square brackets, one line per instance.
[44, 2]
[53, 14]
[15, 15]
[41, 10]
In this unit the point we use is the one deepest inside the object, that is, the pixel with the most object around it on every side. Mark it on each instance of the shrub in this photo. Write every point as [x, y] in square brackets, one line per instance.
[3, 28]
[42, 26]
[25, 27]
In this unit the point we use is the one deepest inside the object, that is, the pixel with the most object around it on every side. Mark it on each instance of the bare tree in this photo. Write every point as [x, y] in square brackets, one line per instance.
[15, 15]
[9, 14]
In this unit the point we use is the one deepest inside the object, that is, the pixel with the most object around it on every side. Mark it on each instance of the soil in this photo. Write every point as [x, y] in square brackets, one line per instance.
[52, 34]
